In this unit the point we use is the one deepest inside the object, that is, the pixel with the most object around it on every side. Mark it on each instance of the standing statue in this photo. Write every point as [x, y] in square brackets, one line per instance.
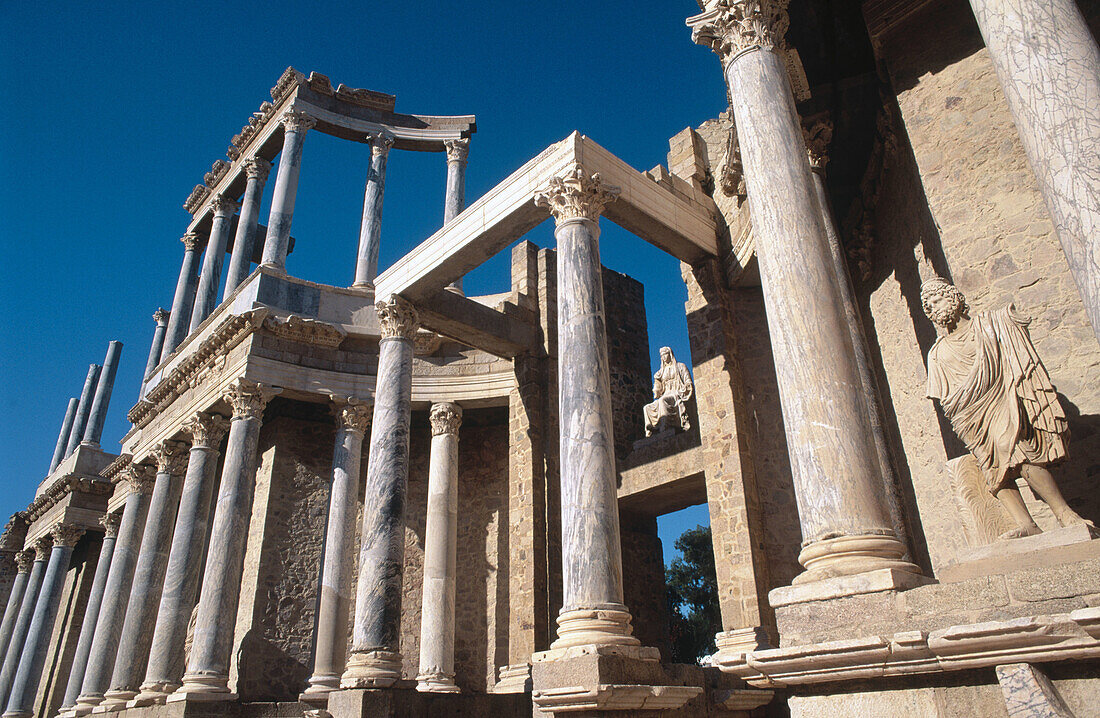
[672, 388]
[997, 394]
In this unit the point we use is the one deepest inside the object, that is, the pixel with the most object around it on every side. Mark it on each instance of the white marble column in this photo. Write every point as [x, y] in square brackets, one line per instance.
[206, 297]
[63, 437]
[23, 620]
[277, 244]
[244, 241]
[370, 228]
[1047, 61]
[375, 660]
[208, 668]
[97, 417]
[161, 318]
[592, 602]
[182, 576]
[23, 560]
[110, 523]
[183, 300]
[353, 421]
[437, 616]
[455, 199]
[846, 526]
[83, 409]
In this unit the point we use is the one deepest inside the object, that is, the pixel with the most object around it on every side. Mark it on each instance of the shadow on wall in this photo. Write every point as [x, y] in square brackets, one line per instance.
[1078, 479]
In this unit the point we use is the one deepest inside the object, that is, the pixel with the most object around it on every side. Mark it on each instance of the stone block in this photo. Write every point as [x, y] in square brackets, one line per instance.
[885, 579]
[1055, 582]
[361, 703]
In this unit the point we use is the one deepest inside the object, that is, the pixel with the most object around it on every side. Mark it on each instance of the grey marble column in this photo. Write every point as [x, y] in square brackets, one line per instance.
[353, 421]
[23, 619]
[206, 297]
[116, 595]
[106, 383]
[63, 436]
[240, 261]
[208, 667]
[846, 525]
[455, 199]
[83, 409]
[370, 227]
[110, 523]
[437, 616]
[1047, 61]
[141, 609]
[181, 580]
[33, 659]
[23, 560]
[592, 603]
[375, 660]
[184, 299]
[295, 125]
[161, 318]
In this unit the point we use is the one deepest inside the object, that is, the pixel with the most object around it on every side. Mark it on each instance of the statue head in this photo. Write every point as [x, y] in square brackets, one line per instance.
[943, 303]
[666, 356]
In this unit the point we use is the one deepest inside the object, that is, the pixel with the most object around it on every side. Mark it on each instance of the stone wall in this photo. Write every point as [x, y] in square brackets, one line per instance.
[644, 589]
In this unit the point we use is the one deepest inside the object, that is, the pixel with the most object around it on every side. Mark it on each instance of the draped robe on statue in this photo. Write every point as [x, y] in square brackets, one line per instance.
[672, 388]
[995, 391]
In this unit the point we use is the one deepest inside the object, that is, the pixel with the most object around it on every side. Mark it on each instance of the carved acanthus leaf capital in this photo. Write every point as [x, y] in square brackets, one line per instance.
[457, 150]
[224, 206]
[576, 195]
[380, 142]
[297, 121]
[445, 418]
[170, 457]
[42, 546]
[110, 524]
[732, 27]
[66, 534]
[818, 133]
[397, 319]
[354, 415]
[161, 316]
[140, 478]
[192, 241]
[257, 168]
[24, 560]
[206, 430]
[248, 398]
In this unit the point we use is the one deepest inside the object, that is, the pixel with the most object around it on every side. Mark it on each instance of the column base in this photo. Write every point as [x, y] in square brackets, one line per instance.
[604, 625]
[372, 669]
[115, 699]
[887, 579]
[850, 555]
[362, 287]
[436, 683]
[205, 687]
[515, 678]
[17, 714]
[85, 704]
[153, 694]
[320, 686]
[744, 640]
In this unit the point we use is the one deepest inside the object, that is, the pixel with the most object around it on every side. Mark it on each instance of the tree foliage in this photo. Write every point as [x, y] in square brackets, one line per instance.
[692, 583]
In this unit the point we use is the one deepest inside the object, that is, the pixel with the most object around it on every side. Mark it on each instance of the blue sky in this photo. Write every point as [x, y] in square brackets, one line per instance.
[113, 111]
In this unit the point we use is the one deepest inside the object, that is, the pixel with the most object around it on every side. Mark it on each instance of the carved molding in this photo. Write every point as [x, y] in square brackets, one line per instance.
[224, 205]
[818, 133]
[206, 429]
[110, 524]
[380, 142]
[116, 467]
[141, 478]
[445, 418]
[576, 195]
[42, 546]
[397, 319]
[192, 241]
[457, 150]
[426, 342]
[731, 173]
[66, 534]
[297, 121]
[256, 122]
[66, 485]
[287, 83]
[217, 171]
[733, 27]
[24, 560]
[161, 316]
[170, 457]
[248, 398]
[309, 331]
[196, 198]
[15, 532]
[257, 168]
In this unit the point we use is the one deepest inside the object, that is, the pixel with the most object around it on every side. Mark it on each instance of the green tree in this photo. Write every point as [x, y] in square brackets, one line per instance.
[694, 616]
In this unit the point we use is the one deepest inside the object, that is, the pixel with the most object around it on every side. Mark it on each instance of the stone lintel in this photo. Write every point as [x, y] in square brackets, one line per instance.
[477, 325]
[883, 579]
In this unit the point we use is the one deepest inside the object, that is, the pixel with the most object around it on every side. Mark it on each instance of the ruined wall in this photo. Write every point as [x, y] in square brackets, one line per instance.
[644, 590]
[628, 358]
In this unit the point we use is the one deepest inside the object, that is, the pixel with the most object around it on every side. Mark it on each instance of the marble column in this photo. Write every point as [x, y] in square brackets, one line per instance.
[23, 560]
[98, 416]
[846, 525]
[181, 580]
[1047, 61]
[375, 660]
[33, 659]
[295, 125]
[370, 227]
[83, 409]
[116, 595]
[208, 667]
[437, 617]
[183, 301]
[353, 421]
[63, 437]
[23, 618]
[592, 602]
[455, 199]
[240, 261]
[161, 318]
[110, 523]
[206, 296]
[145, 591]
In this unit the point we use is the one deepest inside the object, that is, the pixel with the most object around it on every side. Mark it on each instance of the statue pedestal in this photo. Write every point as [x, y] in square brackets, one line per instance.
[1065, 545]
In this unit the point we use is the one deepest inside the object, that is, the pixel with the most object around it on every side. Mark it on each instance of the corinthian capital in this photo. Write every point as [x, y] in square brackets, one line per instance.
[248, 398]
[66, 534]
[257, 168]
[171, 457]
[140, 478]
[732, 27]
[397, 318]
[192, 241]
[380, 142]
[354, 416]
[224, 205]
[818, 133]
[110, 524]
[206, 430]
[445, 418]
[297, 121]
[41, 547]
[161, 316]
[24, 560]
[576, 195]
[457, 150]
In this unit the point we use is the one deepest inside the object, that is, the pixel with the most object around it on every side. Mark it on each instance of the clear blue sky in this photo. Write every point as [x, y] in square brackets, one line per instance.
[112, 112]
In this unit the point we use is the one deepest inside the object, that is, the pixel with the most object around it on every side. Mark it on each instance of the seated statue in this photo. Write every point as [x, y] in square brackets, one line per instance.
[672, 388]
[997, 394]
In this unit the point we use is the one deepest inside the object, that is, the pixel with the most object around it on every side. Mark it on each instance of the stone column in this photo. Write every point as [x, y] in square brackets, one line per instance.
[353, 421]
[370, 228]
[184, 298]
[437, 617]
[208, 668]
[63, 437]
[592, 602]
[141, 609]
[295, 125]
[24, 560]
[846, 525]
[23, 619]
[1049, 66]
[31, 662]
[161, 318]
[181, 580]
[240, 261]
[94, 431]
[455, 199]
[116, 595]
[110, 523]
[206, 297]
[83, 409]
[375, 660]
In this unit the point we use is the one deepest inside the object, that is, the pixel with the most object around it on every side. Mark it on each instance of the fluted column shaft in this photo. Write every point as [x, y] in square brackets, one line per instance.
[183, 301]
[454, 201]
[208, 667]
[206, 297]
[104, 386]
[295, 126]
[240, 261]
[24, 560]
[437, 617]
[161, 318]
[370, 228]
[63, 436]
[375, 661]
[23, 620]
[83, 409]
